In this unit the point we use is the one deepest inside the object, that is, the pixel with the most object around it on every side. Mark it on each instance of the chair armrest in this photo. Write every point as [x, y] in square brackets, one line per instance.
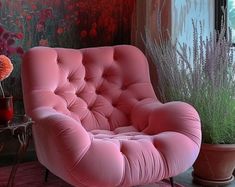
[59, 139]
[155, 117]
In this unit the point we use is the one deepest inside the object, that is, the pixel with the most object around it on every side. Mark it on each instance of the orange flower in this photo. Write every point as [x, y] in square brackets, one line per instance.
[6, 67]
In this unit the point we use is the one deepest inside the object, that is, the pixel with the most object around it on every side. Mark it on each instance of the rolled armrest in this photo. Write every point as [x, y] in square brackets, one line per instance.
[60, 140]
[155, 117]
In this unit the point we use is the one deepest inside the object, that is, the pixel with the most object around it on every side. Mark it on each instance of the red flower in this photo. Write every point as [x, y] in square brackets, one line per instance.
[40, 27]
[19, 50]
[83, 34]
[19, 35]
[34, 7]
[1, 30]
[8, 42]
[48, 13]
[60, 30]
[93, 33]
[28, 17]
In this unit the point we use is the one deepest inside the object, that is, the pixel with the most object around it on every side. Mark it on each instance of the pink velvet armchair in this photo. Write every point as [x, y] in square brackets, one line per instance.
[98, 122]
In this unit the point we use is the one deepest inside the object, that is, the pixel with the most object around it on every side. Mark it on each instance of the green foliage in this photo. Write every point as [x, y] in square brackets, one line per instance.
[202, 75]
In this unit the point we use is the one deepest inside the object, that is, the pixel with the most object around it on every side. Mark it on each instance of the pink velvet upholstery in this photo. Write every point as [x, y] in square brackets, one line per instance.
[98, 122]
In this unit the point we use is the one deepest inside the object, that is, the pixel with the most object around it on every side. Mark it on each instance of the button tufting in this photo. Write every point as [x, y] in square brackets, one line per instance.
[97, 92]
[70, 78]
[89, 107]
[139, 99]
[56, 92]
[123, 87]
[58, 60]
[114, 105]
[105, 75]
[77, 94]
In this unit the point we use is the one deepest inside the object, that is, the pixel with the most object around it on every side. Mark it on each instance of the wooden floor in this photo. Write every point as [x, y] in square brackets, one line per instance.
[186, 179]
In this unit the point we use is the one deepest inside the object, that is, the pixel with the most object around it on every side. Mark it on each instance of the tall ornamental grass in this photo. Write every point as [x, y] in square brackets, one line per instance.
[203, 76]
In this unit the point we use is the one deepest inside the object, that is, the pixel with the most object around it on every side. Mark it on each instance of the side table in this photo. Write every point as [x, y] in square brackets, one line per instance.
[21, 128]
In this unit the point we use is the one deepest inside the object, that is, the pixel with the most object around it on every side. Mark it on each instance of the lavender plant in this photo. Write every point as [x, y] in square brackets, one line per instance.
[202, 75]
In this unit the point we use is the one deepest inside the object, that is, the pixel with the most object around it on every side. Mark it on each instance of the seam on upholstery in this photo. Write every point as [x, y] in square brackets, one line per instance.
[77, 181]
[154, 160]
[186, 134]
[192, 139]
[165, 163]
[124, 168]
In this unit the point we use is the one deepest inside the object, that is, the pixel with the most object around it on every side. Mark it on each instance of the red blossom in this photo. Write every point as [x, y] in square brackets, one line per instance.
[20, 50]
[83, 34]
[1, 30]
[28, 17]
[19, 35]
[48, 12]
[45, 14]
[34, 7]
[40, 27]
[60, 30]
[78, 21]
[7, 42]
[93, 33]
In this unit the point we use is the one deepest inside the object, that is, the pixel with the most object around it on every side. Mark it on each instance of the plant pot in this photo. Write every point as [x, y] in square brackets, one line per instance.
[215, 165]
[6, 110]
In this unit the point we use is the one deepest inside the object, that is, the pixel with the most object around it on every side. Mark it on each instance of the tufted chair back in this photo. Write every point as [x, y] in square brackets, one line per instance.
[97, 86]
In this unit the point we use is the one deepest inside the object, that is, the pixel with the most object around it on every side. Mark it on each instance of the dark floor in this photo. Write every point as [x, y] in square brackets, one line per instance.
[184, 179]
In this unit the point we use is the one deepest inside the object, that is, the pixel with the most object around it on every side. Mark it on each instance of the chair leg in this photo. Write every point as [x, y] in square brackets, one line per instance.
[172, 181]
[46, 175]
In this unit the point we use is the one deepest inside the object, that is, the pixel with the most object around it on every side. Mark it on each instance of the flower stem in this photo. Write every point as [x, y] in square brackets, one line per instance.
[2, 90]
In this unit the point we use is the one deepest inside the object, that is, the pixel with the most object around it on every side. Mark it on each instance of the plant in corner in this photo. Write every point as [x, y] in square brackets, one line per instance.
[204, 76]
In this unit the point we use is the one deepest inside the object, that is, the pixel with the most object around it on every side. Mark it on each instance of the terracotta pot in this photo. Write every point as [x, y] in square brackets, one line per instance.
[6, 110]
[215, 165]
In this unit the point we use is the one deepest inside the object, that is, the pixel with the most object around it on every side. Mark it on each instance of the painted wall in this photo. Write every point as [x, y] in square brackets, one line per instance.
[59, 23]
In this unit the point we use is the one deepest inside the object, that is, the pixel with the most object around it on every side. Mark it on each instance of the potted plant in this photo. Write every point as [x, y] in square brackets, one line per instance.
[204, 76]
[6, 103]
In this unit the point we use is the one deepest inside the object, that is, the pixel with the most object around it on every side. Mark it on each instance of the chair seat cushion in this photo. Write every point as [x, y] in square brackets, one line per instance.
[121, 133]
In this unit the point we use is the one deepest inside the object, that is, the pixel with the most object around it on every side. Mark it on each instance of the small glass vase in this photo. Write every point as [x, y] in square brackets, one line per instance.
[6, 110]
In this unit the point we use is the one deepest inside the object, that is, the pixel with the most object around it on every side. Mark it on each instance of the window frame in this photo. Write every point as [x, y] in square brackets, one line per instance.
[219, 14]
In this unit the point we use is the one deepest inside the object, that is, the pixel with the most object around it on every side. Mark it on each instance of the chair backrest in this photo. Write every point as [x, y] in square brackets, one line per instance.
[98, 86]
